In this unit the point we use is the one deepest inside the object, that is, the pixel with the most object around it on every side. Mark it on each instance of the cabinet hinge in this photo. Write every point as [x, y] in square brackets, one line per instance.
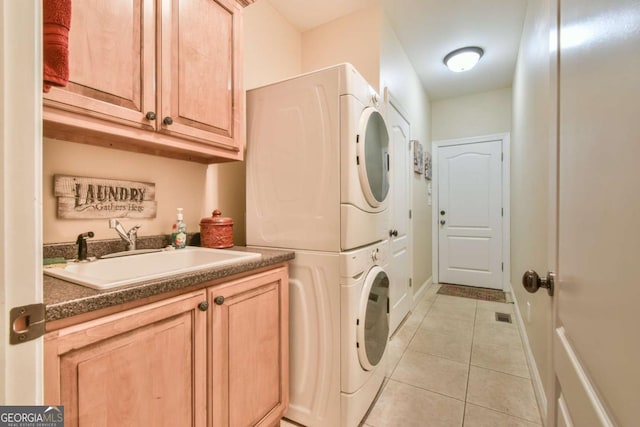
[502, 211]
[410, 214]
[410, 282]
[502, 157]
[27, 323]
[503, 266]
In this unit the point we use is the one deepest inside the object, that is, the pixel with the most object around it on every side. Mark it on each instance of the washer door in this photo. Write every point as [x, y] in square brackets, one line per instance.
[373, 156]
[373, 318]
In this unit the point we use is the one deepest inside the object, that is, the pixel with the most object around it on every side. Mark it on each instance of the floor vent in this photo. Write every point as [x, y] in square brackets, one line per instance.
[503, 317]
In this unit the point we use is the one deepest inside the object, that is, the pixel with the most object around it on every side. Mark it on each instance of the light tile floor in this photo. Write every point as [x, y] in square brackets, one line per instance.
[452, 364]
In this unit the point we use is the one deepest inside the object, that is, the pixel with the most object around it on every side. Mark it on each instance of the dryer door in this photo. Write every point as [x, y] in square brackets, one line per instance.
[373, 318]
[373, 156]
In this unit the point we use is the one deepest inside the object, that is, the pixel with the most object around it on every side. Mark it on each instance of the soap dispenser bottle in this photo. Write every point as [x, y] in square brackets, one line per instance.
[179, 232]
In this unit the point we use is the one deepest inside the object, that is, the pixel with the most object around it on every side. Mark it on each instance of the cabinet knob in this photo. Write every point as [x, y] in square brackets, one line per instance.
[150, 115]
[167, 120]
[219, 300]
[203, 306]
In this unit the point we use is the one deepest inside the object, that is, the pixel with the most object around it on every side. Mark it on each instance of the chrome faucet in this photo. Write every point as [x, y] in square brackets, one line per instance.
[128, 236]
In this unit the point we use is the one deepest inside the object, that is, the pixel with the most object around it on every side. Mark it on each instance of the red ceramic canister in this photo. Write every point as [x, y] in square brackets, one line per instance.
[216, 231]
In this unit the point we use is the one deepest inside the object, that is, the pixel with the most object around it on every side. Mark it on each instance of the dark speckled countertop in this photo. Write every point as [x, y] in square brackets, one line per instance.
[64, 299]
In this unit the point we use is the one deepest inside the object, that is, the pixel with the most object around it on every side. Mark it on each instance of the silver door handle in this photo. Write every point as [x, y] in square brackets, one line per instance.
[532, 282]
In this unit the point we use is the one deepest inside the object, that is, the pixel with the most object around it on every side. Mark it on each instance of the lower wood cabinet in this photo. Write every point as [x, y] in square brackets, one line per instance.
[213, 357]
[249, 351]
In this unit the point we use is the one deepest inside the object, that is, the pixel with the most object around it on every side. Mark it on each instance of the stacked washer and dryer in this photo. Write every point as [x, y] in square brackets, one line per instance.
[318, 184]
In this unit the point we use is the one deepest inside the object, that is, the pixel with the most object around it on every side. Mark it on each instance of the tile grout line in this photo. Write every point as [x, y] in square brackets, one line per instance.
[404, 350]
[501, 372]
[505, 413]
[439, 393]
[466, 391]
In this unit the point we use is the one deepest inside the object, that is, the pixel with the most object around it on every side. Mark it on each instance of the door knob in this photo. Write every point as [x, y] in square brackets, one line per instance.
[219, 300]
[532, 282]
[393, 233]
[442, 222]
[167, 121]
[150, 115]
[203, 306]
[442, 212]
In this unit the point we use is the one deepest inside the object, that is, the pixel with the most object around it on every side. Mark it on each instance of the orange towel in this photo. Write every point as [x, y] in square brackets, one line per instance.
[56, 16]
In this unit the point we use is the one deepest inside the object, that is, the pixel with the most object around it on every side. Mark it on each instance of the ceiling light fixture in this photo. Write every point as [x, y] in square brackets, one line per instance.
[463, 59]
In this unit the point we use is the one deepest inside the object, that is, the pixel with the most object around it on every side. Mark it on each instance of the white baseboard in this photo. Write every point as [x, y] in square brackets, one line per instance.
[421, 291]
[538, 388]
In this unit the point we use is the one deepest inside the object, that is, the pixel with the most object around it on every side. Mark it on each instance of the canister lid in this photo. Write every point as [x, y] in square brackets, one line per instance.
[216, 218]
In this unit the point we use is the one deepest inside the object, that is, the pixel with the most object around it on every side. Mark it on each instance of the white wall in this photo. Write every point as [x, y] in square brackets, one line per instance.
[178, 184]
[533, 129]
[353, 38]
[271, 52]
[472, 115]
[272, 46]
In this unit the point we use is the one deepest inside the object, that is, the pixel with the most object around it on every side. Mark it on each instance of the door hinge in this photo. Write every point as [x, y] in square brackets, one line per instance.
[410, 282]
[502, 211]
[502, 157]
[503, 266]
[410, 213]
[27, 323]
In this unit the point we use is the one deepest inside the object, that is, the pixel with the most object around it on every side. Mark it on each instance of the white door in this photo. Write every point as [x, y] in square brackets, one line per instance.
[470, 214]
[399, 268]
[596, 345]
[21, 195]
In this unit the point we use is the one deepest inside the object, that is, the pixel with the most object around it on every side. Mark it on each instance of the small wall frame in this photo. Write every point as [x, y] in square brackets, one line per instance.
[418, 159]
[427, 165]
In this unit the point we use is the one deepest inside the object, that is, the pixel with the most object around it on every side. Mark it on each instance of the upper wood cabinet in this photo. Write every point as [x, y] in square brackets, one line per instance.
[161, 77]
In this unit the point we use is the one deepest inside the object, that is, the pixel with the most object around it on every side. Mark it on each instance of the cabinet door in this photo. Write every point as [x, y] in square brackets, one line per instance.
[111, 62]
[200, 71]
[249, 350]
[141, 367]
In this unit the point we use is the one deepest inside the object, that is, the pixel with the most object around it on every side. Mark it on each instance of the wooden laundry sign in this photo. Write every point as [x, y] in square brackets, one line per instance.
[86, 198]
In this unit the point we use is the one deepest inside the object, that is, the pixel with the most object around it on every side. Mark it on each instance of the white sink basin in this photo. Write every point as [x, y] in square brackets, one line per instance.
[111, 273]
